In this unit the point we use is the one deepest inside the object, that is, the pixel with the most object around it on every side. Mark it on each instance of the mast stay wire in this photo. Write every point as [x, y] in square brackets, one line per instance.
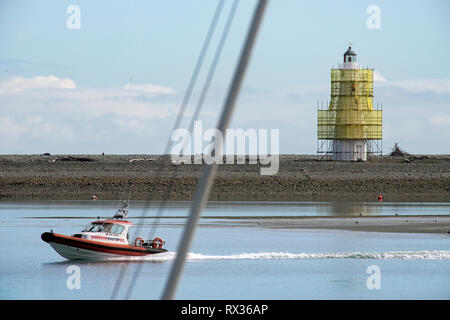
[196, 113]
[177, 122]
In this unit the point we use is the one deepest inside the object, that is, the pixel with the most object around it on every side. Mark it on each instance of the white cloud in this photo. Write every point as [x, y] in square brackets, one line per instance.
[377, 77]
[149, 88]
[12, 131]
[123, 107]
[35, 114]
[18, 84]
[436, 85]
[442, 119]
[87, 104]
[134, 126]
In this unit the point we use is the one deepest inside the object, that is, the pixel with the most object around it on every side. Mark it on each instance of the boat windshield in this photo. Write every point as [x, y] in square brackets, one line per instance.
[104, 227]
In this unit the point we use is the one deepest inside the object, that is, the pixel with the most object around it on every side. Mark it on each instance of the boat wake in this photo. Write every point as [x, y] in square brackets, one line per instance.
[399, 255]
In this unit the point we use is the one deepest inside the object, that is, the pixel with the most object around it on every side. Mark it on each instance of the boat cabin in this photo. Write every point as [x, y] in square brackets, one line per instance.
[116, 230]
[111, 231]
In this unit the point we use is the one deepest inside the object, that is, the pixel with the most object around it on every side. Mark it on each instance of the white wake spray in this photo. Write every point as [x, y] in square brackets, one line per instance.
[399, 255]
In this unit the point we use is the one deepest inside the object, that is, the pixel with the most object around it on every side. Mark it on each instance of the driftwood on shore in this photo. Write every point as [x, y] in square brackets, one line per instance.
[398, 152]
[71, 158]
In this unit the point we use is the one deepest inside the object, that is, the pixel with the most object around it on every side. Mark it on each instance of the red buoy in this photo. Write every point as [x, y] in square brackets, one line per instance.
[380, 198]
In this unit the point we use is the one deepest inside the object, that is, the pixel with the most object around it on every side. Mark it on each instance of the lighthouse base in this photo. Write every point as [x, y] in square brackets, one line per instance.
[350, 150]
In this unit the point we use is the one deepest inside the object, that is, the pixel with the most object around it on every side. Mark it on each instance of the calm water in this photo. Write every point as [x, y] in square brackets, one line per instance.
[230, 262]
[180, 208]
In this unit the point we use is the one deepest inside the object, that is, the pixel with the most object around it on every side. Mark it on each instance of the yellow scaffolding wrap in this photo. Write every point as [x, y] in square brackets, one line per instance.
[350, 114]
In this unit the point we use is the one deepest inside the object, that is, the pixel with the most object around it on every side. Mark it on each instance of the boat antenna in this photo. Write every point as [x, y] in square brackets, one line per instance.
[122, 213]
[129, 193]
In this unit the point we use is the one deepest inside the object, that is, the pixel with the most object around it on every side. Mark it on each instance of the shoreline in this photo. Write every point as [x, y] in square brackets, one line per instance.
[438, 224]
[300, 178]
[390, 224]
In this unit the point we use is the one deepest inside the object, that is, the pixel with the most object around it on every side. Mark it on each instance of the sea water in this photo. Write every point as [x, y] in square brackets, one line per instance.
[227, 262]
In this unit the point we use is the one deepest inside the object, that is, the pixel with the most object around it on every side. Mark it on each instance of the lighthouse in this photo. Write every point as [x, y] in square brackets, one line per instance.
[349, 128]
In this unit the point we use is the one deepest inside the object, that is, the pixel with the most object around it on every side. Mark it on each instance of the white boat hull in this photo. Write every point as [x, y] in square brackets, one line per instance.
[73, 253]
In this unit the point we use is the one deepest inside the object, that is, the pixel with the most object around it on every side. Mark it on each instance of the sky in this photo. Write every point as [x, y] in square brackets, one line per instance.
[113, 80]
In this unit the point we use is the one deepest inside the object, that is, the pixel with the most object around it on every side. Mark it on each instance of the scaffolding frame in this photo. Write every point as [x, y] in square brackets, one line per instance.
[350, 114]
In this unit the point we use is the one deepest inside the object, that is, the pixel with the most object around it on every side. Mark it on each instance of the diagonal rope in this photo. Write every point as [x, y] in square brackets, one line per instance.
[177, 122]
[194, 117]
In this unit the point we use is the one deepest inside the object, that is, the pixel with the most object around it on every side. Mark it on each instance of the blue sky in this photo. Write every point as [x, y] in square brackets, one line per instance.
[115, 84]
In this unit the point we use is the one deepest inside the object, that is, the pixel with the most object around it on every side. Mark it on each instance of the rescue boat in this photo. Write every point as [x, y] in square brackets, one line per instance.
[103, 239]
